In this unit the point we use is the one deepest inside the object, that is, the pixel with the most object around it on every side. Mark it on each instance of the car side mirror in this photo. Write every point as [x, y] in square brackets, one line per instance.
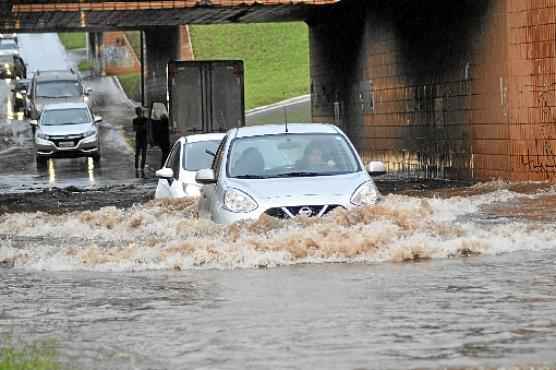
[165, 173]
[205, 176]
[376, 168]
[23, 92]
[98, 119]
[34, 122]
[88, 91]
[210, 152]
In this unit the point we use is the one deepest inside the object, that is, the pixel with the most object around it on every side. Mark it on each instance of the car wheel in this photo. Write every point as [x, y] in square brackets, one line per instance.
[41, 162]
[96, 160]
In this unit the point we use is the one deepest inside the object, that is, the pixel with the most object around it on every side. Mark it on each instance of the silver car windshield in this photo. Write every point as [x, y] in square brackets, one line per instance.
[75, 116]
[195, 156]
[8, 45]
[59, 89]
[291, 155]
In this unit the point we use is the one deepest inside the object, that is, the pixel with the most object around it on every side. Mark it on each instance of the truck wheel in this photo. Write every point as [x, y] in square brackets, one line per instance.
[41, 162]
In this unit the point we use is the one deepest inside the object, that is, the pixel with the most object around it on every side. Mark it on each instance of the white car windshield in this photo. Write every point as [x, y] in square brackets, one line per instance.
[195, 156]
[59, 89]
[291, 155]
[74, 116]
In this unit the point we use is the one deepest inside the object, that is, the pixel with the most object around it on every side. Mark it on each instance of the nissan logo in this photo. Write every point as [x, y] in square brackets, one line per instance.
[305, 211]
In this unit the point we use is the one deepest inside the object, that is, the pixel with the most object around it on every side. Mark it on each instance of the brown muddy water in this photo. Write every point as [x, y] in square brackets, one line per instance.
[452, 278]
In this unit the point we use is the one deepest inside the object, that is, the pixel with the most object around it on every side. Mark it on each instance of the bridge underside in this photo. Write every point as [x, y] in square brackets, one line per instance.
[64, 15]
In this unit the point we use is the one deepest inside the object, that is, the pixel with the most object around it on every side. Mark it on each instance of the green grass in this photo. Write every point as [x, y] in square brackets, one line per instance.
[134, 39]
[275, 55]
[35, 356]
[131, 84]
[85, 65]
[72, 40]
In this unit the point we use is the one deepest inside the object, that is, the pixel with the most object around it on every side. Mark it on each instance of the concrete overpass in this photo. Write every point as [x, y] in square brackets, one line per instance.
[457, 89]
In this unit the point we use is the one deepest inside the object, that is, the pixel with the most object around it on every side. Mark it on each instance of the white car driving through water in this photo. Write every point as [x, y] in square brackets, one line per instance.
[285, 172]
[188, 155]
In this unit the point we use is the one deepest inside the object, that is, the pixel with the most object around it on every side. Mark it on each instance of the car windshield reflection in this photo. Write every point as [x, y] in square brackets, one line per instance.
[75, 116]
[291, 155]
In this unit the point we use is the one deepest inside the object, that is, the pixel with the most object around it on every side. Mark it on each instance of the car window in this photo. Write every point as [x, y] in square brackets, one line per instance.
[74, 116]
[195, 156]
[291, 155]
[58, 89]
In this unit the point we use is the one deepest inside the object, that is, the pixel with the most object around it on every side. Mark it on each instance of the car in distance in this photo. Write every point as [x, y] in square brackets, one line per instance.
[188, 155]
[51, 87]
[285, 172]
[8, 46]
[19, 95]
[67, 130]
[12, 66]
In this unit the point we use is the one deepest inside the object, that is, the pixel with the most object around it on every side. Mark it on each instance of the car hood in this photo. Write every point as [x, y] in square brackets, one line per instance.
[294, 189]
[66, 129]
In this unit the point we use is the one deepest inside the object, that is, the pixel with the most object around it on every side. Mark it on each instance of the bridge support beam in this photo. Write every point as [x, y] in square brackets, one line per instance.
[94, 52]
[461, 89]
[161, 45]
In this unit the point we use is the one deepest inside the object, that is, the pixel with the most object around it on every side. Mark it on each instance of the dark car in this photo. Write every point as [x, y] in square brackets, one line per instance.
[53, 87]
[19, 95]
[12, 67]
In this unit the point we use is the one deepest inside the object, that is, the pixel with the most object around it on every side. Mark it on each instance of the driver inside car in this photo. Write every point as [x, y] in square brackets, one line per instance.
[314, 159]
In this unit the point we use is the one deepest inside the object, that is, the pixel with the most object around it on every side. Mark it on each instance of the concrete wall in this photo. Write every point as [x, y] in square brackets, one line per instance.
[441, 89]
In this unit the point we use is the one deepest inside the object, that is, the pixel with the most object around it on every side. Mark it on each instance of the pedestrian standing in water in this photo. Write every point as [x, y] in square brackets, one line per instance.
[140, 128]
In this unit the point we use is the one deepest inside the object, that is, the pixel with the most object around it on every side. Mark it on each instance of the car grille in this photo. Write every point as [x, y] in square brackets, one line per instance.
[57, 139]
[308, 211]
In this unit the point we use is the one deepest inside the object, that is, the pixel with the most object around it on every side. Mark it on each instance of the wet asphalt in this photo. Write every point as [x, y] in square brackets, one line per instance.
[70, 176]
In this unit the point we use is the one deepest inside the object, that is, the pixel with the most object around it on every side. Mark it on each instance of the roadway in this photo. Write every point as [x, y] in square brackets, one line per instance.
[17, 159]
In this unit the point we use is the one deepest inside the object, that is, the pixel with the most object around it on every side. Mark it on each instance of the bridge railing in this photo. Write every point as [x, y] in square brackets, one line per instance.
[100, 5]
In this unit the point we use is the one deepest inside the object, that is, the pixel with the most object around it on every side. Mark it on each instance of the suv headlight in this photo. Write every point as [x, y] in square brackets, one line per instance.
[40, 135]
[90, 133]
[365, 195]
[239, 202]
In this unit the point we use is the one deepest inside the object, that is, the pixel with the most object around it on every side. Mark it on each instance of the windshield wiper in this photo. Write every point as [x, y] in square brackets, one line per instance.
[299, 174]
[250, 177]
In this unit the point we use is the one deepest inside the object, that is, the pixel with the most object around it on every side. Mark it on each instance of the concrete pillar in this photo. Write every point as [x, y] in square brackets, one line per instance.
[161, 45]
[95, 53]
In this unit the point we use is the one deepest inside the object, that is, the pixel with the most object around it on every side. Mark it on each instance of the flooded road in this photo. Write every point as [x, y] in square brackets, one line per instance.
[456, 277]
[447, 279]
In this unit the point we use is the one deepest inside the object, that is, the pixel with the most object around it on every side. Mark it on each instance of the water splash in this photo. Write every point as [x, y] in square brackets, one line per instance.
[167, 235]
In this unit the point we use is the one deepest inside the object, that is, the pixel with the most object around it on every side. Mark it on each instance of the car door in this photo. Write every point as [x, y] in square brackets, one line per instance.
[163, 190]
[208, 201]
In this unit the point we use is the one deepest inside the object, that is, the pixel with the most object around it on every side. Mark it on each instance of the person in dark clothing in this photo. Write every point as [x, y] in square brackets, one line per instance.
[164, 138]
[140, 128]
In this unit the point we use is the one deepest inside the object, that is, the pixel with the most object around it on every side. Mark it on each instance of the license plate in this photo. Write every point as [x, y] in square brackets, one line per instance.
[65, 144]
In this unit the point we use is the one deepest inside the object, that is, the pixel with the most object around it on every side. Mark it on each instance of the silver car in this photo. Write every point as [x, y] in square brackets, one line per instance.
[285, 172]
[67, 130]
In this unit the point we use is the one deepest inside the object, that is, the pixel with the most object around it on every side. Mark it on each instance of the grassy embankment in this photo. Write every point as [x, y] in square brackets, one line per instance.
[276, 57]
[35, 356]
[73, 41]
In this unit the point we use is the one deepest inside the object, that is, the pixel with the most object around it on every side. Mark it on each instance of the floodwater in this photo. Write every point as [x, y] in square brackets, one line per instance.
[456, 279]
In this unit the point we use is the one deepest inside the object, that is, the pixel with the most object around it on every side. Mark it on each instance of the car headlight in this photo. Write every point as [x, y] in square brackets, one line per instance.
[365, 195]
[239, 202]
[90, 133]
[40, 135]
[191, 190]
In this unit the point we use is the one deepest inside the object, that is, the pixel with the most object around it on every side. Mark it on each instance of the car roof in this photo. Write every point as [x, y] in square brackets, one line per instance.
[62, 106]
[202, 137]
[293, 128]
[56, 75]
